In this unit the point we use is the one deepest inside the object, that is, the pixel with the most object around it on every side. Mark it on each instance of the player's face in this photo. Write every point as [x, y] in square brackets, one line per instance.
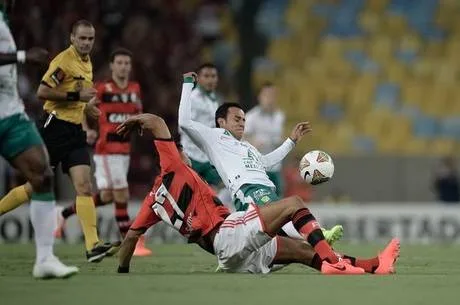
[83, 39]
[267, 98]
[121, 66]
[207, 79]
[234, 122]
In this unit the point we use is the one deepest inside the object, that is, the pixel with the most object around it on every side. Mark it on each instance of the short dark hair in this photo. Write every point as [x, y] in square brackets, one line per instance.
[266, 84]
[81, 22]
[206, 65]
[120, 51]
[222, 111]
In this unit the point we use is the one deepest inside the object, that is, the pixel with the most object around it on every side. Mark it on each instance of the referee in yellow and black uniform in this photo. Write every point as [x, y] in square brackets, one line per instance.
[67, 89]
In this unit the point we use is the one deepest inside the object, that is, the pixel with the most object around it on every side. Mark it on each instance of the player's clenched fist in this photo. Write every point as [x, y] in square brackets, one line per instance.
[192, 75]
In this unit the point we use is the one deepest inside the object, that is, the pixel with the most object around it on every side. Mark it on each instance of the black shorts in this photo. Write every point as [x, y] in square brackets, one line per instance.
[66, 143]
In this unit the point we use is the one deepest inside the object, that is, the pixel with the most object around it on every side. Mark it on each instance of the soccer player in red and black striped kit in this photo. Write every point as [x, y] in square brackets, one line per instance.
[244, 241]
[118, 99]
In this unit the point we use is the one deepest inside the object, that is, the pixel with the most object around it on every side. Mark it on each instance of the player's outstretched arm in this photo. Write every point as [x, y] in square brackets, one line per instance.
[276, 156]
[145, 122]
[34, 55]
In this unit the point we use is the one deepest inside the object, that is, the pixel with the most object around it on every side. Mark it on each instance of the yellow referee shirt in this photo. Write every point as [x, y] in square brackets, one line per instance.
[68, 72]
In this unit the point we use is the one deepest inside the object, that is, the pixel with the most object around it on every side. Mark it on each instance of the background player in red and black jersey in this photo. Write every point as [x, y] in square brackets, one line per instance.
[242, 241]
[118, 99]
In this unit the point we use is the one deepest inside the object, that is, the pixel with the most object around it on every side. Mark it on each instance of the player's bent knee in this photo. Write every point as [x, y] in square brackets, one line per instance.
[83, 188]
[41, 178]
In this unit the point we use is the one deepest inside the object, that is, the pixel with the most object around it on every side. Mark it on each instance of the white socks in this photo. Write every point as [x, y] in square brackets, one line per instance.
[43, 218]
[291, 231]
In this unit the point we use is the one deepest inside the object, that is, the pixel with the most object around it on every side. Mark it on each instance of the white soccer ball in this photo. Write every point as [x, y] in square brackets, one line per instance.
[316, 167]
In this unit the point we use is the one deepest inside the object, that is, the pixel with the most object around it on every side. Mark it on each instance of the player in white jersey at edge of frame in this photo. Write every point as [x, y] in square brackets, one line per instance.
[242, 168]
[22, 146]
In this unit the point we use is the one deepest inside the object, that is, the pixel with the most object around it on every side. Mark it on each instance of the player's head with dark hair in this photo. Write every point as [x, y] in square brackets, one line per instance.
[267, 96]
[121, 63]
[231, 117]
[207, 77]
[82, 36]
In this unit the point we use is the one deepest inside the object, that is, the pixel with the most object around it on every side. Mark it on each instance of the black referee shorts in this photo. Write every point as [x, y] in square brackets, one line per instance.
[66, 143]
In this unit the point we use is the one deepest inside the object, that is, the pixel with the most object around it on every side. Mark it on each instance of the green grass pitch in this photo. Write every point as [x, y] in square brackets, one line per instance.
[184, 274]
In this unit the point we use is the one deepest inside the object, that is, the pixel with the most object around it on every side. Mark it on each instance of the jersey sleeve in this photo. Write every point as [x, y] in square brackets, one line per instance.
[168, 153]
[56, 73]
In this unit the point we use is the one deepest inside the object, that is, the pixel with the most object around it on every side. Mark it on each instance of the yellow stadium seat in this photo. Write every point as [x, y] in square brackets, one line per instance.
[441, 147]
[410, 42]
[377, 6]
[381, 48]
[446, 73]
[423, 69]
[331, 48]
[413, 92]
[394, 26]
[396, 72]
[415, 146]
[370, 21]
[433, 49]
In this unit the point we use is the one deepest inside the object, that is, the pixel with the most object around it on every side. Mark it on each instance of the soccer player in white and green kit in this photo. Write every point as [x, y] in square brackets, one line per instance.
[23, 147]
[241, 166]
[205, 104]
[264, 129]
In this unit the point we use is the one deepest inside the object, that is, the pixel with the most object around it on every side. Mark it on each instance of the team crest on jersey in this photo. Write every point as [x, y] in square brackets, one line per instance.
[58, 76]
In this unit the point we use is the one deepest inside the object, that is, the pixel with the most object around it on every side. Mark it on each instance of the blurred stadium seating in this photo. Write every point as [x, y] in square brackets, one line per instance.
[375, 76]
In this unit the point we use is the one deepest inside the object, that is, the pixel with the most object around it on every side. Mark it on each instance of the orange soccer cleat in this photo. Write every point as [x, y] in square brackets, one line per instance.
[141, 250]
[388, 257]
[341, 267]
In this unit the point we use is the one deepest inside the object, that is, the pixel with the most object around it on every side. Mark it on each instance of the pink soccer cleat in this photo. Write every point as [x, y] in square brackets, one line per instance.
[388, 257]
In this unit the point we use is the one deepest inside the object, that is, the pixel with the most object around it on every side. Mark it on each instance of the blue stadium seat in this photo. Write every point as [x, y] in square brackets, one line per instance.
[387, 95]
[364, 144]
[425, 127]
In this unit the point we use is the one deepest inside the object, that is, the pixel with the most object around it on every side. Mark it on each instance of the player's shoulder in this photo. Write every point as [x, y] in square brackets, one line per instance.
[133, 85]
[197, 93]
[62, 58]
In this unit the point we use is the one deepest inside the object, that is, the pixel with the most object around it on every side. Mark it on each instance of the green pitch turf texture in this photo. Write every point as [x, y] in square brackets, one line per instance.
[184, 274]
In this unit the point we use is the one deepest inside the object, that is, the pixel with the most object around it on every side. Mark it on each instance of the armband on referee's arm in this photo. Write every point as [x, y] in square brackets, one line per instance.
[73, 96]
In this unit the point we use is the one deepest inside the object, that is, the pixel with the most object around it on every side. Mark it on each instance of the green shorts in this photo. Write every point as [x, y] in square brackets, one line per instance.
[17, 134]
[254, 193]
[275, 177]
[207, 172]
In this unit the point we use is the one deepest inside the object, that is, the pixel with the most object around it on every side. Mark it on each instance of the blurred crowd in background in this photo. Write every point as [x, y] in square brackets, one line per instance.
[356, 68]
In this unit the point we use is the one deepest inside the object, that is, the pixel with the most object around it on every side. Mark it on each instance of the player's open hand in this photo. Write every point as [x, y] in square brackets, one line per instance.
[139, 122]
[299, 131]
[37, 55]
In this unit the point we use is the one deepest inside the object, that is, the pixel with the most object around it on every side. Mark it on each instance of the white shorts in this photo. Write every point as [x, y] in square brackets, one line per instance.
[111, 171]
[241, 245]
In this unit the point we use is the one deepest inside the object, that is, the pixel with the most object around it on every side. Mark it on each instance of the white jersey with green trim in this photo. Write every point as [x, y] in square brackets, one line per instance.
[237, 162]
[10, 102]
[203, 110]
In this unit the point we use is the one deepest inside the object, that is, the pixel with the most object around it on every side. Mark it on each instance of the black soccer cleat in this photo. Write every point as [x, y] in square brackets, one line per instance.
[115, 247]
[98, 253]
